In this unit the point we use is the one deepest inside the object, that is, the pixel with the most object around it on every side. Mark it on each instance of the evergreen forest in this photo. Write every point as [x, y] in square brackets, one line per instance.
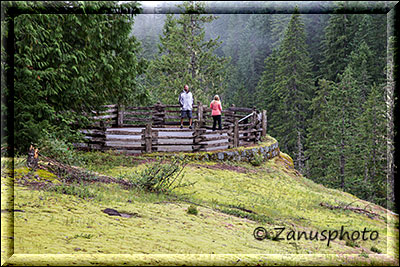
[322, 78]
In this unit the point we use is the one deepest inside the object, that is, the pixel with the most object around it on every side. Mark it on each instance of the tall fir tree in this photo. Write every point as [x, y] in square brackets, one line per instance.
[367, 164]
[293, 88]
[337, 43]
[345, 111]
[267, 95]
[185, 57]
[319, 142]
[360, 61]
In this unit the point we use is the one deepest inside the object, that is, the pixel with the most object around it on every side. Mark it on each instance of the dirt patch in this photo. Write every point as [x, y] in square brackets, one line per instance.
[224, 167]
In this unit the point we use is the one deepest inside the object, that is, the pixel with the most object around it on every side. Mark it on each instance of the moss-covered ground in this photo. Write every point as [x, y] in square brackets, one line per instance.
[56, 227]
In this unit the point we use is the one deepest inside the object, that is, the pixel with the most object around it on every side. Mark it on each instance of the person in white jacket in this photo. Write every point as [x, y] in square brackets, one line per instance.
[186, 101]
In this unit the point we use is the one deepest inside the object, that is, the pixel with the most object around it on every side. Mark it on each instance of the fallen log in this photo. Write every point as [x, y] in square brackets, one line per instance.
[370, 214]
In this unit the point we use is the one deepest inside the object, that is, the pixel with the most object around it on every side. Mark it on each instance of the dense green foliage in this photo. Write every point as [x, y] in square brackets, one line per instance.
[69, 63]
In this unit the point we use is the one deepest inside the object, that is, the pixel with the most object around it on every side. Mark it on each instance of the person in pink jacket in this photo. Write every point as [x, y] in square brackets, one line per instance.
[216, 109]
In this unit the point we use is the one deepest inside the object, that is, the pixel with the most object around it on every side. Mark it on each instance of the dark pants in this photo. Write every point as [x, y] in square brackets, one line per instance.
[217, 118]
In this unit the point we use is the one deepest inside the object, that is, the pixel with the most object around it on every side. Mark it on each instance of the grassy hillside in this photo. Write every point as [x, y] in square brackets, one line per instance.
[68, 225]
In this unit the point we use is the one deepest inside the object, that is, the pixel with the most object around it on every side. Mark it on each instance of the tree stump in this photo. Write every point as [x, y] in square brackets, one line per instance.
[33, 158]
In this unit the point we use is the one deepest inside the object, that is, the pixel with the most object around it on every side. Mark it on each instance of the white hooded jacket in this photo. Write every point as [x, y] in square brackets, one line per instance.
[186, 100]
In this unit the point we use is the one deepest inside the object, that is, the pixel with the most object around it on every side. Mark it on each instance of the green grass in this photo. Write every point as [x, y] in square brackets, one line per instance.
[68, 219]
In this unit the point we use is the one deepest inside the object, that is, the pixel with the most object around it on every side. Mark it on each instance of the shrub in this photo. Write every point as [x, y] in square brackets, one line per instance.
[376, 250]
[351, 243]
[162, 176]
[364, 254]
[192, 209]
[257, 160]
[56, 148]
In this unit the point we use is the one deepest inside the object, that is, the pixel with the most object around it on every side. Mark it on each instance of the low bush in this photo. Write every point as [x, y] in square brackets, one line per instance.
[162, 176]
[257, 160]
[351, 243]
[376, 250]
[192, 209]
[56, 148]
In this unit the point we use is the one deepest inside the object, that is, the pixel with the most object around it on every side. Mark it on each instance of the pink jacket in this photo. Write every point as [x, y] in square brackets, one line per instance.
[216, 108]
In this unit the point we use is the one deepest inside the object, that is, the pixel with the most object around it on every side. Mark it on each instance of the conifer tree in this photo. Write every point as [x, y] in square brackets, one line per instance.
[337, 43]
[368, 164]
[320, 136]
[360, 61]
[185, 57]
[267, 95]
[294, 88]
[344, 114]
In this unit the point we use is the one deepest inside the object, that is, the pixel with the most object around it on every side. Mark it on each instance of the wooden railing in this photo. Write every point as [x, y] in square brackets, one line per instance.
[146, 129]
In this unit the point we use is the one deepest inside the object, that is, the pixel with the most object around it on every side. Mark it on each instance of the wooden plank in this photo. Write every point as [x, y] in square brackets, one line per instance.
[110, 106]
[250, 131]
[169, 117]
[125, 147]
[214, 138]
[214, 145]
[116, 132]
[145, 113]
[173, 111]
[110, 110]
[138, 108]
[173, 144]
[115, 139]
[178, 106]
[239, 109]
[102, 117]
[224, 131]
[174, 137]
[127, 120]
[177, 129]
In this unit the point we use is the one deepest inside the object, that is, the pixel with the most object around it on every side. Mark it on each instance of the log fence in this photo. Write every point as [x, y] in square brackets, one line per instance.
[146, 129]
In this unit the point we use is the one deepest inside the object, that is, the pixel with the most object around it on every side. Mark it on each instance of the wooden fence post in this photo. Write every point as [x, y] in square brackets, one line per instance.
[200, 112]
[159, 116]
[120, 116]
[254, 125]
[148, 138]
[264, 123]
[198, 136]
[236, 133]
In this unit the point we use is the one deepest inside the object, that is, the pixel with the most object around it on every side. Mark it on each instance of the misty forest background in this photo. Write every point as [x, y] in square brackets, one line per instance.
[321, 78]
